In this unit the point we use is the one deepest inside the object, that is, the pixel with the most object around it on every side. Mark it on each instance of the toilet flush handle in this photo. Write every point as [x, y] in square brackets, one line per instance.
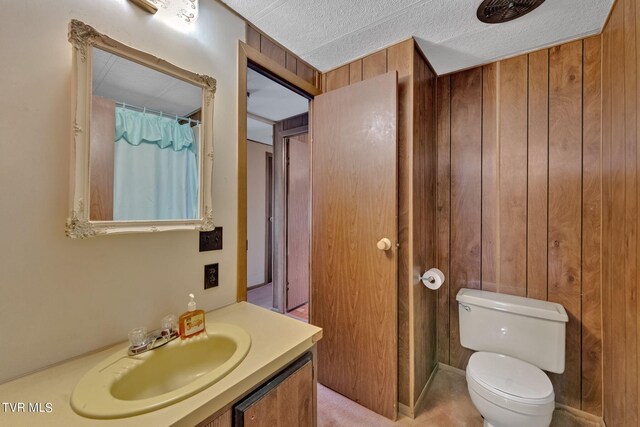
[466, 307]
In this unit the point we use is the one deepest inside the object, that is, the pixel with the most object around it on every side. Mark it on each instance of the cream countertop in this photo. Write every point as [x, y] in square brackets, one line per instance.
[276, 340]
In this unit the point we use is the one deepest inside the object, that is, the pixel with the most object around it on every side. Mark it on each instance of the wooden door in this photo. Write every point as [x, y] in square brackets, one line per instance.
[354, 206]
[298, 232]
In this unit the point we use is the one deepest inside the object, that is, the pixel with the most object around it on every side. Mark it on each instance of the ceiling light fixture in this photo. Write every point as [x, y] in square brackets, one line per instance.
[145, 5]
[176, 10]
[499, 11]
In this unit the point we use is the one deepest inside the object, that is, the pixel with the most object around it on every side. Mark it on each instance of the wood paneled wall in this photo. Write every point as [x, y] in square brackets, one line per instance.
[416, 198]
[282, 56]
[621, 258]
[103, 124]
[519, 198]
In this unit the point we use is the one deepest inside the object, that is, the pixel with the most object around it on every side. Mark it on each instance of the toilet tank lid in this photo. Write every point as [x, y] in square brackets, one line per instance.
[513, 304]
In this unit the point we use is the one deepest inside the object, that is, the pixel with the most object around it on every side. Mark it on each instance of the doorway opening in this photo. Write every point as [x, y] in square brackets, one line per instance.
[278, 195]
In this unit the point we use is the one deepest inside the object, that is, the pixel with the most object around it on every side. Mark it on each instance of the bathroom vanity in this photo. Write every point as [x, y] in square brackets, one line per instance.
[288, 399]
[279, 364]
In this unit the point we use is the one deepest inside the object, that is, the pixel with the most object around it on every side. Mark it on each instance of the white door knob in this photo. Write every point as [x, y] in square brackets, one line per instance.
[384, 244]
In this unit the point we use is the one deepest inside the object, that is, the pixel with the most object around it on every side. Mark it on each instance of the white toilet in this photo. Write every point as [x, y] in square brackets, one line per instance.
[514, 338]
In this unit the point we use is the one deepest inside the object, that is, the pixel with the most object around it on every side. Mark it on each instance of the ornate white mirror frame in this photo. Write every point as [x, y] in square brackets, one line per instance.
[79, 226]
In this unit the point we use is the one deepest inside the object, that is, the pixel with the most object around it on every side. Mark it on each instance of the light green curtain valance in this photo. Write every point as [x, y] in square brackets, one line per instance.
[138, 127]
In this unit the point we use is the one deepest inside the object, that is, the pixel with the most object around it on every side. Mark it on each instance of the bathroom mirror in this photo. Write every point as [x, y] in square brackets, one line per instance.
[142, 141]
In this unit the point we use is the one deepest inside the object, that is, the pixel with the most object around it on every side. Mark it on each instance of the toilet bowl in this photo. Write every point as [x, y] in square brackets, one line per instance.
[509, 392]
[515, 338]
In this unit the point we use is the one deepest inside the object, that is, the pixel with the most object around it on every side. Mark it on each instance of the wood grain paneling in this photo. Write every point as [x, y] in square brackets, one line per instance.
[504, 176]
[335, 79]
[353, 206]
[374, 64]
[291, 62]
[538, 177]
[253, 37]
[617, 311]
[289, 404]
[401, 61]
[466, 179]
[620, 255]
[490, 176]
[592, 228]
[512, 182]
[103, 124]
[565, 198]
[282, 56]
[355, 71]
[423, 301]
[224, 420]
[520, 198]
[443, 188]
[307, 73]
[273, 51]
[609, 393]
[631, 212]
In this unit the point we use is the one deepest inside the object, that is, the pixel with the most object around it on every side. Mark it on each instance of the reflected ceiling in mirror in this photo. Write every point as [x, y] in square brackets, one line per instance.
[145, 163]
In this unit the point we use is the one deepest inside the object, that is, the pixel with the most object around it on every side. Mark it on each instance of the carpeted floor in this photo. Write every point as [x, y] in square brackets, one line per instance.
[262, 296]
[447, 404]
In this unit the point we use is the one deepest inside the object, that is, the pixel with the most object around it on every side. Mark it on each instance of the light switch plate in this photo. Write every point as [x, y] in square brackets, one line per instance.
[211, 240]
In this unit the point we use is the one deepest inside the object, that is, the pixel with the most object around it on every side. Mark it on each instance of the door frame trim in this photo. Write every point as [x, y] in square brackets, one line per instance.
[246, 55]
[268, 250]
[281, 216]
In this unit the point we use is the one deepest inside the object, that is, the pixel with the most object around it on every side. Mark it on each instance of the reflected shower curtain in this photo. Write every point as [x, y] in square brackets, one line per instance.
[155, 168]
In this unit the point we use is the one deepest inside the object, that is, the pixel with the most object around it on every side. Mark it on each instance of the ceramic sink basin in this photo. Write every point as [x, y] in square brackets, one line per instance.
[124, 385]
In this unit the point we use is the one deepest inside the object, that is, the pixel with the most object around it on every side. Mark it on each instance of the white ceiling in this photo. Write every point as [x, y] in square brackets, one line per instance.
[259, 131]
[122, 80]
[271, 101]
[330, 33]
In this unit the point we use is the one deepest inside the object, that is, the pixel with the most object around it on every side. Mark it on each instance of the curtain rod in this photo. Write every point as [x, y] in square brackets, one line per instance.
[160, 113]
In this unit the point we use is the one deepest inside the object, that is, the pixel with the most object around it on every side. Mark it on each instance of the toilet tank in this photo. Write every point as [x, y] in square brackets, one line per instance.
[524, 328]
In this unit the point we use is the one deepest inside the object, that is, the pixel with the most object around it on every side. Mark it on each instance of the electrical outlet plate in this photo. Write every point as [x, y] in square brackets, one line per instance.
[211, 240]
[211, 276]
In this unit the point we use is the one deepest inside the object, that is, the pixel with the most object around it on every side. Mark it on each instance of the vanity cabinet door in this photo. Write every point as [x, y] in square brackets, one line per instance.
[286, 400]
[223, 420]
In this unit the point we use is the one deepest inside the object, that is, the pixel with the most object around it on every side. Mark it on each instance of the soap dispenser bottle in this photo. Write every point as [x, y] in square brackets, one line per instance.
[191, 322]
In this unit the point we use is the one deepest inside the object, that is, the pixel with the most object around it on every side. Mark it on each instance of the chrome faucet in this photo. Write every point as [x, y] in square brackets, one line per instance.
[140, 341]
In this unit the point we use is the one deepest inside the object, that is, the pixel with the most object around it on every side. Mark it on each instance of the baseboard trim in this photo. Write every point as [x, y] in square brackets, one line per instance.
[411, 412]
[581, 414]
[260, 285]
[404, 410]
[450, 368]
[423, 394]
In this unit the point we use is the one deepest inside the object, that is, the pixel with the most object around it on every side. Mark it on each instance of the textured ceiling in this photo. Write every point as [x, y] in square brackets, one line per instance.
[122, 80]
[330, 33]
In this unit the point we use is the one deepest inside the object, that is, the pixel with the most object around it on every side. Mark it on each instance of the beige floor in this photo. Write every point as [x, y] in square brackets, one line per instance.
[262, 296]
[447, 405]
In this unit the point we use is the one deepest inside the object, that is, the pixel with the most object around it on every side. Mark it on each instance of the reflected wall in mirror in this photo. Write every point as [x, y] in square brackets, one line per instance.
[142, 141]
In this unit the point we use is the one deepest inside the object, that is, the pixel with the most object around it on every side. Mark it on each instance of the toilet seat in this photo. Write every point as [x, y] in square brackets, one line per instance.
[510, 383]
